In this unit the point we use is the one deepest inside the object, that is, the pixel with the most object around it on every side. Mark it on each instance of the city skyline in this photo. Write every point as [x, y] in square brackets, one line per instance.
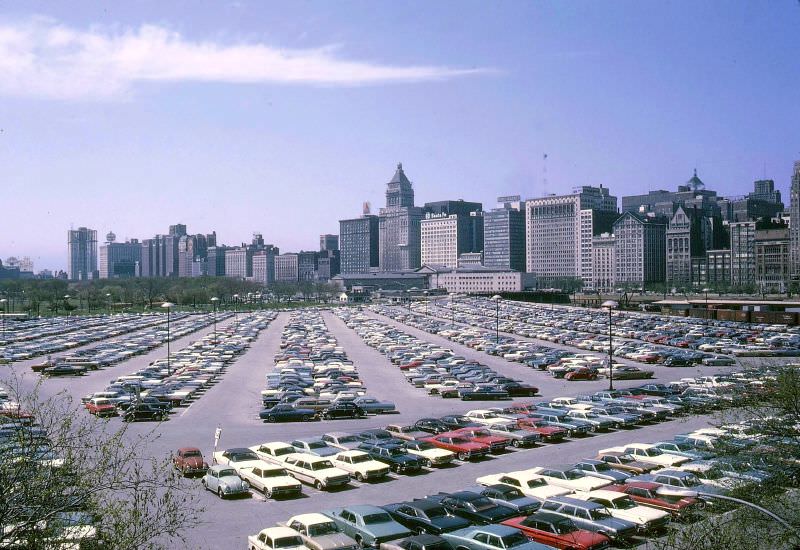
[469, 118]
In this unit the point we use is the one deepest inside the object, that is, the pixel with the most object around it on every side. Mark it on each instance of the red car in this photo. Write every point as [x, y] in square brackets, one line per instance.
[496, 443]
[581, 373]
[463, 447]
[410, 365]
[644, 492]
[557, 531]
[548, 433]
[189, 461]
[101, 407]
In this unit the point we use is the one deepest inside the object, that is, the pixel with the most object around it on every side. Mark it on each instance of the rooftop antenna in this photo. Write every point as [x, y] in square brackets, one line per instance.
[366, 208]
[544, 172]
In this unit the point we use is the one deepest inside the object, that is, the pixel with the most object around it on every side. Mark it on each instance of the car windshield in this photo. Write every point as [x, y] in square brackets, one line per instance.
[276, 472]
[625, 459]
[625, 503]
[602, 467]
[511, 493]
[460, 440]
[227, 473]
[239, 457]
[573, 474]
[358, 459]
[538, 482]
[283, 451]
[481, 504]
[514, 539]
[691, 480]
[599, 513]
[321, 529]
[423, 446]
[188, 454]
[562, 527]
[372, 519]
[347, 439]
[317, 445]
[436, 512]
[288, 542]
[321, 465]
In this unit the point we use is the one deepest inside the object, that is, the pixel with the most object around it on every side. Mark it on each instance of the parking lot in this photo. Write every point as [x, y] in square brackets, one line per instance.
[233, 404]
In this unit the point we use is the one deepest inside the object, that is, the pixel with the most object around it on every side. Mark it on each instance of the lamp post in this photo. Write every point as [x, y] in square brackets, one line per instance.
[214, 301]
[108, 300]
[426, 303]
[497, 299]
[66, 304]
[235, 309]
[705, 291]
[453, 308]
[5, 312]
[610, 305]
[168, 306]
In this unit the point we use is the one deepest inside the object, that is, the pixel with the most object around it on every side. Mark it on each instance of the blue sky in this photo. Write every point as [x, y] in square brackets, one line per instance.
[283, 118]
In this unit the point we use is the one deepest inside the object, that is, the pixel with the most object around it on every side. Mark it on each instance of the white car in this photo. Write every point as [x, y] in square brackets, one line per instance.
[274, 451]
[485, 417]
[650, 453]
[529, 484]
[570, 478]
[269, 479]
[360, 465]
[622, 506]
[318, 471]
[275, 538]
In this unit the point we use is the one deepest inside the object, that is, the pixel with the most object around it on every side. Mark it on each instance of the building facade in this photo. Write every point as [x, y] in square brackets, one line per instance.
[307, 265]
[359, 243]
[559, 232]
[743, 256]
[504, 235]
[399, 226]
[239, 262]
[287, 268]
[688, 236]
[82, 254]
[772, 259]
[794, 221]
[119, 260]
[445, 237]
[640, 249]
[603, 262]
[328, 242]
[479, 280]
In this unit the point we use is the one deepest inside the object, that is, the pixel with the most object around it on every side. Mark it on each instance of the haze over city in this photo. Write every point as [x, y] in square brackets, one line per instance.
[283, 118]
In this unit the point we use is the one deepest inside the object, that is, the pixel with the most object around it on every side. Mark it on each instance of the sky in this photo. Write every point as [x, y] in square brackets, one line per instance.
[284, 117]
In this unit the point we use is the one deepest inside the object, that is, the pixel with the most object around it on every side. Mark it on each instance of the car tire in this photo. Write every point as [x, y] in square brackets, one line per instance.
[359, 477]
[318, 485]
[516, 443]
[271, 419]
[428, 463]
[220, 494]
[463, 457]
[306, 418]
[267, 492]
[359, 541]
[203, 483]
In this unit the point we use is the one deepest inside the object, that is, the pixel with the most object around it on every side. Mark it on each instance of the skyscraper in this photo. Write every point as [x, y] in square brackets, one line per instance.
[328, 242]
[399, 226]
[504, 235]
[559, 231]
[794, 222]
[359, 244]
[81, 253]
[119, 260]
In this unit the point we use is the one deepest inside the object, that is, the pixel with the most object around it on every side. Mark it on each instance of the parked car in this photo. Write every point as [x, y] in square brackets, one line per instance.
[360, 465]
[570, 478]
[367, 525]
[417, 542]
[619, 460]
[558, 531]
[424, 516]
[319, 532]
[529, 483]
[491, 537]
[506, 495]
[646, 493]
[461, 446]
[592, 517]
[374, 406]
[342, 410]
[144, 411]
[600, 469]
[396, 456]
[101, 407]
[276, 538]
[189, 461]
[224, 481]
[315, 470]
[429, 453]
[270, 480]
[342, 440]
[473, 506]
[287, 413]
[314, 446]
[621, 506]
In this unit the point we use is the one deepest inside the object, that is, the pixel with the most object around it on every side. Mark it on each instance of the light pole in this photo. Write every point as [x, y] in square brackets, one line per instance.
[426, 303]
[66, 305]
[610, 305]
[108, 300]
[214, 301]
[497, 299]
[453, 308]
[235, 309]
[5, 312]
[705, 290]
[168, 306]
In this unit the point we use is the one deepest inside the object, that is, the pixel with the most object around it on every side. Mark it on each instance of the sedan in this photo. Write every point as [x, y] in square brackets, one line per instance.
[224, 481]
[287, 413]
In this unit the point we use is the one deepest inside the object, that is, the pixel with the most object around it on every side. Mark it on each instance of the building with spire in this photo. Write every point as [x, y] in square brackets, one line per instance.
[399, 226]
[794, 222]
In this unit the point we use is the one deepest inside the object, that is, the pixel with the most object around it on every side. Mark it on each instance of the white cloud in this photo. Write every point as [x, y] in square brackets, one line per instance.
[45, 59]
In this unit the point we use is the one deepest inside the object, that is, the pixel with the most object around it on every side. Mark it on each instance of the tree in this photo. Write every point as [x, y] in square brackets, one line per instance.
[62, 463]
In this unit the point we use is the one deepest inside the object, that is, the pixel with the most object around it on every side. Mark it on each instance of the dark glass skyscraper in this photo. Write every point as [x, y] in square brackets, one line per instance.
[504, 235]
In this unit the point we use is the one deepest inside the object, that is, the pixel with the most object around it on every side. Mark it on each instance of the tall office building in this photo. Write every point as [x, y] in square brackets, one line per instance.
[359, 244]
[794, 222]
[328, 242]
[287, 268]
[307, 263]
[81, 253]
[743, 259]
[603, 262]
[264, 264]
[504, 235]
[559, 231]
[215, 258]
[689, 235]
[239, 262]
[119, 260]
[771, 247]
[399, 226]
[639, 249]
[450, 229]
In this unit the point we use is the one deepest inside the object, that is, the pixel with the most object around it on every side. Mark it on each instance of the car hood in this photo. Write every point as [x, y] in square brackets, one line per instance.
[387, 529]
[193, 462]
[450, 523]
[332, 541]
[232, 481]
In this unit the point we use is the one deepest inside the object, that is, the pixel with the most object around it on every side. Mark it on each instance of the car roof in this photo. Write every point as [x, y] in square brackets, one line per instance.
[496, 529]
[362, 509]
[547, 516]
[313, 517]
[238, 450]
[185, 449]
[576, 502]
[279, 532]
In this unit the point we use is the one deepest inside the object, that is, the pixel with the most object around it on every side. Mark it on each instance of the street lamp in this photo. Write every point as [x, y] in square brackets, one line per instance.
[426, 303]
[108, 300]
[610, 305]
[214, 301]
[168, 306]
[235, 309]
[66, 304]
[497, 299]
[705, 290]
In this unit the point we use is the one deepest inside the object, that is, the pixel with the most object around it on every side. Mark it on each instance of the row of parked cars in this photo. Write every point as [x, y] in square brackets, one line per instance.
[151, 392]
[560, 363]
[683, 339]
[313, 379]
[71, 332]
[115, 351]
[435, 369]
[622, 495]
